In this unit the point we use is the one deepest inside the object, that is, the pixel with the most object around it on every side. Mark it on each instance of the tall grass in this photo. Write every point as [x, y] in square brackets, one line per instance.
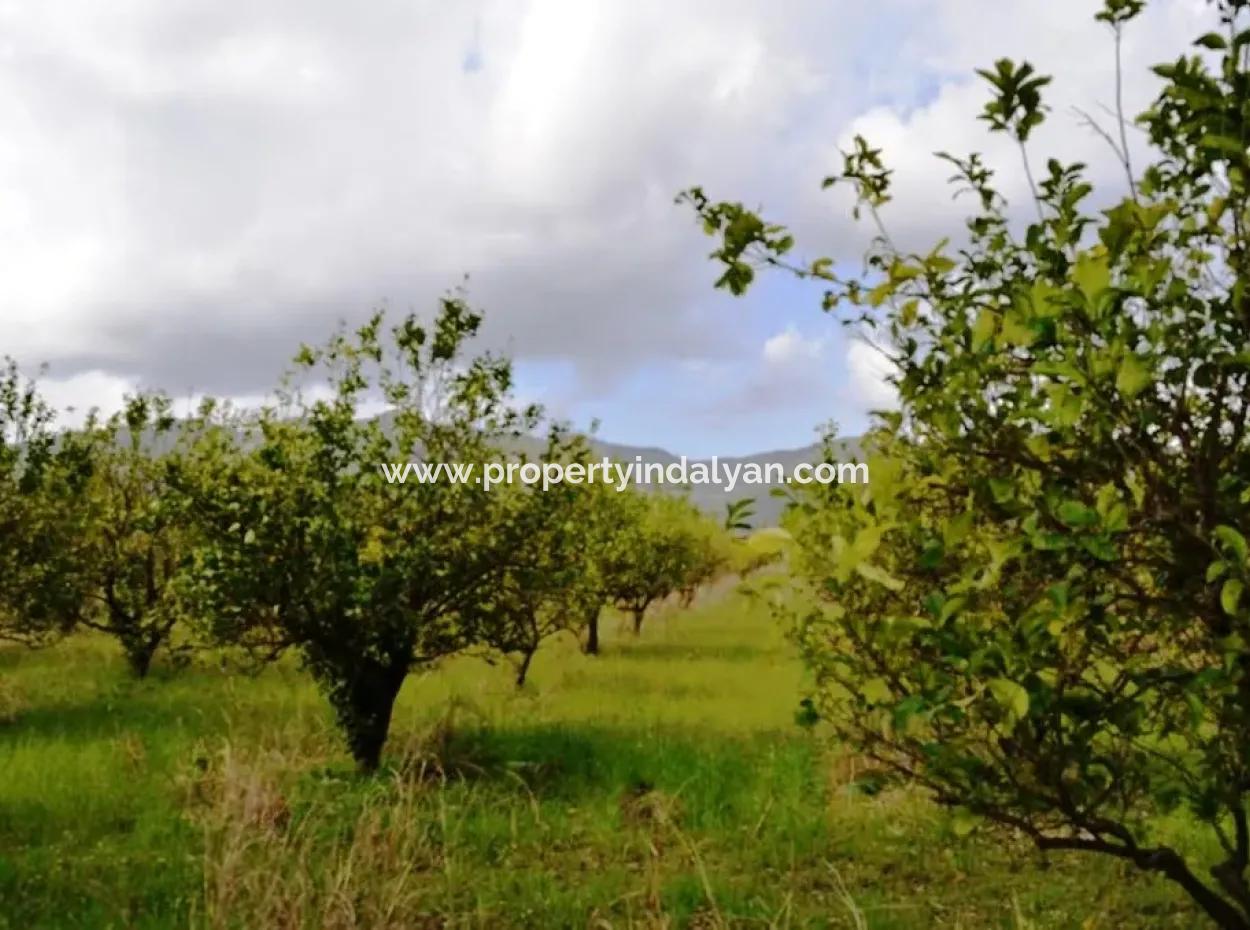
[663, 784]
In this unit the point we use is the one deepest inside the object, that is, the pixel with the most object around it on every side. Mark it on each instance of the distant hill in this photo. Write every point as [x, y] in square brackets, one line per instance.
[709, 497]
[712, 498]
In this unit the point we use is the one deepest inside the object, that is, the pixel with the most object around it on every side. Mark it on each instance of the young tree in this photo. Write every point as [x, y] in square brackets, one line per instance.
[89, 531]
[1038, 608]
[134, 543]
[309, 546]
[41, 480]
[665, 546]
[606, 518]
[551, 584]
[709, 554]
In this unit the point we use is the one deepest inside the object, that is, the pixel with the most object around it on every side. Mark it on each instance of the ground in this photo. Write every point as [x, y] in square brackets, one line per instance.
[663, 784]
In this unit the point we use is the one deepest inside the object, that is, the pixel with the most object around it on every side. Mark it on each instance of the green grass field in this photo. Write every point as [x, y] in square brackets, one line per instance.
[664, 783]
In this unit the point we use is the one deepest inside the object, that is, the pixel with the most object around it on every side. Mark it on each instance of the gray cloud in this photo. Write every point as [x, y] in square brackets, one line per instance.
[189, 190]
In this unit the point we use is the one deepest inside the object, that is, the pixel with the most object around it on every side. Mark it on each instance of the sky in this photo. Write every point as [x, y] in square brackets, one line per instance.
[189, 189]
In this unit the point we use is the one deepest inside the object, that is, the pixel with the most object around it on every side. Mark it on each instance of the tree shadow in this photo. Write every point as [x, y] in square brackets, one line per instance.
[125, 707]
[717, 775]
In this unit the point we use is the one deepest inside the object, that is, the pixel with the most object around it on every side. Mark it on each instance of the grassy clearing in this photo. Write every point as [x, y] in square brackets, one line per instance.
[662, 784]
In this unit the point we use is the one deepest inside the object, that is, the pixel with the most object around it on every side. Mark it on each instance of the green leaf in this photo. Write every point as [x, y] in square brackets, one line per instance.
[1076, 514]
[1016, 332]
[957, 529]
[1226, 144]
[901, 271]
[1116, 519]
[882, 292]
[1066, 405]
[906, 709]
[1003, 489]
[931, 555]
[1213, 41]
[1013, 697]
[876, 691]
[951, 608]
[964, 821]
[879, 575]
[1134, 375]
[1043, 299]
[1233, 541]
[1230, 595]
[1100, 547]
[1092, 275]
[983, 329]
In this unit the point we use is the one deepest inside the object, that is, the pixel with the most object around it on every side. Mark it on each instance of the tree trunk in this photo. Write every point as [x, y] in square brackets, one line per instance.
[139, 655]
[592, 634]
[639, 613]
[364, 705]
[524, 668]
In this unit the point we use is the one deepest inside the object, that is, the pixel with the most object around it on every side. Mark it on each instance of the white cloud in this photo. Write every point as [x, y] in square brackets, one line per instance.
[792, 372]
[868, 370]
[73, 398]
[790, 347]
[188, 191]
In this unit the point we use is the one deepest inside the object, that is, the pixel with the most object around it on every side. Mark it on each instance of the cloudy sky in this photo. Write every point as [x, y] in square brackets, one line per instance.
[189, 189]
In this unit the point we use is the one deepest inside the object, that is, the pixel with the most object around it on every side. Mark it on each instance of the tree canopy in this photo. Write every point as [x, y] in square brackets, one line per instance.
[308, 547]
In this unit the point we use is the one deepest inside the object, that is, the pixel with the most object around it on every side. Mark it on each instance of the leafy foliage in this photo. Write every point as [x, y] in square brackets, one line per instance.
[671, 547]
[1038, 608]
[738, 515]
[275, 529]
[41, 527]
[134, 545]
[552, 583]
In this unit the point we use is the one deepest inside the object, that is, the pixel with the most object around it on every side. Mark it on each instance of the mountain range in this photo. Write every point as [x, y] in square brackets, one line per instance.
[713, 498]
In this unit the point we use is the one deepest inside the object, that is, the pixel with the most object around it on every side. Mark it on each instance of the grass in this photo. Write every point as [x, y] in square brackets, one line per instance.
[663, 784]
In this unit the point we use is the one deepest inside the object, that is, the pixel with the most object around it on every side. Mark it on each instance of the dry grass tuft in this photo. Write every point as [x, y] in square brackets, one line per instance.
[642, 804]
[268, 866]
[364, 856]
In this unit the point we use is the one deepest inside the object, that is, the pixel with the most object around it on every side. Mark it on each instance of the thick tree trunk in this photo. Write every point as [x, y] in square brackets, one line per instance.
[140, 662]
[365, 705]
[639, 614]
[592, 634]
[139, 655]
